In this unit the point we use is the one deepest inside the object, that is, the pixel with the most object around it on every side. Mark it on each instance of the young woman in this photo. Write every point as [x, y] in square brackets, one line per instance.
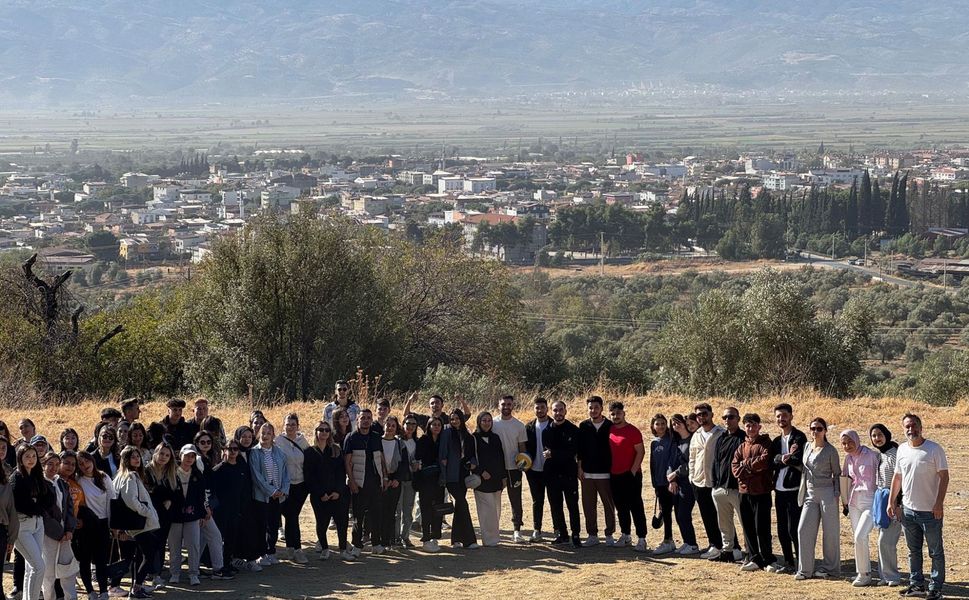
[187, 511]
[69, 440]
[818, 496]
[251, 540]
[68, 474]
[256, 420]
[138, 437]
[660, 456]
[210, 455]
[490, 466]
[94, 534]
[231, 484]
[678, 475]
[9, 522]
[397, 464]
[326, 480]
[430, 485]
[108, 452]
[270, 486]
[33, 497]
[130, 484]
[161, 481]
[122, 431]
[27, 430]
[7, 450]
[456, 446]
[408, 492]
[861, 466]
[292, 444]
[59, 526]
[246, 438]
[209, 451]
[881, 439]
[342, 426]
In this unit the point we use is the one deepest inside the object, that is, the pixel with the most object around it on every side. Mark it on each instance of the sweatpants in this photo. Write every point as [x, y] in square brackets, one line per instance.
[404, 517]
[211, 538]
[627, 493]
[727, 502]
[708, 514]
[68, 584]
[821, 509]
[755, 517]
[292, 507]
[536, 485]
[564, 489]
[187, 535]
[788, 517]
[488, 506]
[338, 510]
[592, 491]
[30, 544]
[515, 497]
[861, 526]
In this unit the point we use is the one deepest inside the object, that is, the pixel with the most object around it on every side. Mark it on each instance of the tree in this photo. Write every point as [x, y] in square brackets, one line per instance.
[767, 237]
[104, 245]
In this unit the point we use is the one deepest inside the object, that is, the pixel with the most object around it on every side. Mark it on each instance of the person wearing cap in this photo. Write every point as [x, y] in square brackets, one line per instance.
[752, 467]
[40, 444]
[176, 430]
[511, 431]
[187, 511]
[561, 444]
[270, 488]
[595, 462]
[131, 410]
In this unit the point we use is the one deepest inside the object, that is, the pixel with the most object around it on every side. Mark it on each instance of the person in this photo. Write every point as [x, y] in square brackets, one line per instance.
[270, 487]
[187, 511]
[678, 476]
[787, 450]
[33, 497]
[326, 480]
[202, 421]
[130, 410]
[256, 420]
[881, 440]
[703, 449]
[10, 460]
[456, 456]
[106, 452]
[94, 533]
[27, 431]
[130, 485]
[430, 492]
[595, 463]
[161, 482]
[363, 460]
[383, 411]
[177, 432]
[408, 492]
[122, 432]
[211, 542]
[231, 484]
[9, 520]
[861, 467]
[511, 431]
[342, 399]
[561, 443]
[69, 440]
[397, 466]
[138, 437]
[660, 453]
[922, 479]
[292, 443]
[534, 431]
[490, 466]
[818, 497]
[40, 444]
[341, 426]
[59, 525]
[436, 405]
[626, 476]
[726, 497]
[752, 468]
[246, 437]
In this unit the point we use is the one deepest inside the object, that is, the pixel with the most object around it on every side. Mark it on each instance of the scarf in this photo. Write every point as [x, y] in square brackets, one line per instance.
[889, 444]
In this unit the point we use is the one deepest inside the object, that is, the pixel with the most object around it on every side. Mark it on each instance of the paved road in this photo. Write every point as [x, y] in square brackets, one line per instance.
[819, 260]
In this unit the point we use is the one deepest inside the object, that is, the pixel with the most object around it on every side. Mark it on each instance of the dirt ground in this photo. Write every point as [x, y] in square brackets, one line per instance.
[675, 266]
[541, 571]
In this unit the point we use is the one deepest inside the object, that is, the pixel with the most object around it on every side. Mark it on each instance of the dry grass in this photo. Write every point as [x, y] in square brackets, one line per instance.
[542, 572]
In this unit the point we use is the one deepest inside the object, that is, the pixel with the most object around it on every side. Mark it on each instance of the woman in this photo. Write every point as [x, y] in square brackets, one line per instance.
[122, 432]
[94, 534]
[326, 479]
[881, 439]
[231, 484]
[342, 426]
[456, 445]
[27, 430]
[818, 497]
[7, 450]
[678, 475]
[214, 426]
[292, 444]
[9, 522]
[59, 525]
[251, 542]
[68, 474]
[33, 497]
[161, 481]
[256, 420]
[270, 486]
[209, 451]
[107, 455]
[210, 455]
[397, 464]
[138, 437]
[430, 484]
[660, 456]
[408, 492]
[490, 466]
[130, 484]
[187, 511]
[246, 438]
[69, 440]
[861, 466]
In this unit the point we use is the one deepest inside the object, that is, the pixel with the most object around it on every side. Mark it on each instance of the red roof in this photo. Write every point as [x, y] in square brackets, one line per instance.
[490, 218]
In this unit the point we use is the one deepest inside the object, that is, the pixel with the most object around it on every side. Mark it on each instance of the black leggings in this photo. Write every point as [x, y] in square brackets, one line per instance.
[666, 502]
[338, 511]
[148, 545]
[92, 544]
[384, 528]
[428, 496]
[291, 509]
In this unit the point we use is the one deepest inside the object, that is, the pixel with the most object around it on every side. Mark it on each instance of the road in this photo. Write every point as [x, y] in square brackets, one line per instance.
[820, 260]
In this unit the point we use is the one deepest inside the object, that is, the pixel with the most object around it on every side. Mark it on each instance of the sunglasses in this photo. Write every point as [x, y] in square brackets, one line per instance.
[817, 428]
[343, 389]
[322, 430]
[233, 448]
[729, 417]
[205, 442]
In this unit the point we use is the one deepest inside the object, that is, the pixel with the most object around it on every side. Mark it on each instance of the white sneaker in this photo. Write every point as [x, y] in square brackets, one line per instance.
[347, 555]
[774, 568]
[457, 545]
[712, 553]
[592, 540]
[641, 545]
[300, 557]
[265, 561]
[820, 575]
[282, 534]
[623, 541]
[800, 577]
[536, 536]
[862, 580]
[687, 550]
[318, 547]
[665, 548]
[430, 546]
[378, 549]
[737, 555]
[750, 566]
[474, 546]
[325, 554]
[117, 592]
[193, 580]
[610, 541]
[517, 537]
[252, 566]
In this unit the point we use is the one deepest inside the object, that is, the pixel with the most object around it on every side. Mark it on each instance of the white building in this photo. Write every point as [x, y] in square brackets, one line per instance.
[135, 181]
[780, 181]
[477, 185]
[165, 192]
[446, 185]
[194, 196]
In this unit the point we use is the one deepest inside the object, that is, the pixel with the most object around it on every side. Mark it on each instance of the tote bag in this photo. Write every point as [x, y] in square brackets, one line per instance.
[879, 509]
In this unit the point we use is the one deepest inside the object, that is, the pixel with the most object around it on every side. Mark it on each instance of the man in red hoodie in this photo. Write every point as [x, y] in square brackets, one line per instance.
[752, 468]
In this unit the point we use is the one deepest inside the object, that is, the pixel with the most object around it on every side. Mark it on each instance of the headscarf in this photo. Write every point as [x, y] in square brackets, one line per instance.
[889, 444]
[853, 435]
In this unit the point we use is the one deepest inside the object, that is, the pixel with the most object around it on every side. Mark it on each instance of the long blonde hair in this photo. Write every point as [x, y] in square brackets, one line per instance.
[163, 473]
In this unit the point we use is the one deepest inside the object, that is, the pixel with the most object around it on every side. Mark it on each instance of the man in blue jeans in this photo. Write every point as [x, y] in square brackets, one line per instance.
[922, 477]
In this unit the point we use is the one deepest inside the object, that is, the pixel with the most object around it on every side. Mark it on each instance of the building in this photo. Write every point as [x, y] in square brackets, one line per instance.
[450, 185]
[278, 197]
[521, 253]
[194, 196]
[477, 185]
[835, 176]
[135, 181]
[780, 181]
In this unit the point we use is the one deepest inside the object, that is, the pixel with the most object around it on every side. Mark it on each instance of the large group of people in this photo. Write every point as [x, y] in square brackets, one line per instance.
[110, 510]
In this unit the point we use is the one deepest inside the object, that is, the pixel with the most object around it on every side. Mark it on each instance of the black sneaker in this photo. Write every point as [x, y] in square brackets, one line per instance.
[560, 540]
[222, 574]
[576, 542]
[913, 591]
[933, 595]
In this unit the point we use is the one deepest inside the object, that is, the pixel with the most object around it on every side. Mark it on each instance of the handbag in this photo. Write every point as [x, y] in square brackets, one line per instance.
[444, 508]
[657, 521]
[473, 481]
[122, 517]
[122, 567]
[879, 509]
[67, 565]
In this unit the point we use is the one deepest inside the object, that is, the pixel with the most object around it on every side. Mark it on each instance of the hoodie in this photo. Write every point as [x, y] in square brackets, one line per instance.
[752, 465]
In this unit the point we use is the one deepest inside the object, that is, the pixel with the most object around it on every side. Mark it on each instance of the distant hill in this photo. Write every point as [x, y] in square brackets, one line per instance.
[76, 51]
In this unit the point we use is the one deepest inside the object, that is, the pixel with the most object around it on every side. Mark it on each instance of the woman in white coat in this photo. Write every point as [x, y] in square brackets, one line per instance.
[59, 526]
[130, 486]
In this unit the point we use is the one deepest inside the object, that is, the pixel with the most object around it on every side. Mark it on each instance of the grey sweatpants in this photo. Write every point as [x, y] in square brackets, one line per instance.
[821, 509]
[727, 502]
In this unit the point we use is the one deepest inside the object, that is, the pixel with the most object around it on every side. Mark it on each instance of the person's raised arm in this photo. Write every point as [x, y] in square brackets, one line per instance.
[409, 403]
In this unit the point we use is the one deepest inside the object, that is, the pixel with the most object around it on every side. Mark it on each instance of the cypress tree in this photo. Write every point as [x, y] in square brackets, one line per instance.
[864, 204]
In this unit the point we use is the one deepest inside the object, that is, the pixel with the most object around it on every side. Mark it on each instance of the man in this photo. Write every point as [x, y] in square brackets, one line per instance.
[436, 405]
[703, 450]
[922, 477]
[626, 476]
[726, 497]
[383, 411]
[176, 431]
[131, 410]
[201, 414]
[367, 476]
[752, 468]
[595, 462]
[787, 450]
[561, 443]
[343, 400]
[511, 432]
[535, 431]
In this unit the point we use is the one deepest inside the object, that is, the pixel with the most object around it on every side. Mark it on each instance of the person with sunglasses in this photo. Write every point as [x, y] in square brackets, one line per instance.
[703, 447]
[726, 495]
[818, 496]
[231, 484]
[342, 399]
[210, 455]
[408, 493]
[107, 456]
[326, 479]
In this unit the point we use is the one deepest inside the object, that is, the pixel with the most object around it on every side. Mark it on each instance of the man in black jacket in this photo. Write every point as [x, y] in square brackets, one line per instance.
[595, 462]
[726, 495]
[561, 443]
[788, 451]
[177, 432]
[534, 432]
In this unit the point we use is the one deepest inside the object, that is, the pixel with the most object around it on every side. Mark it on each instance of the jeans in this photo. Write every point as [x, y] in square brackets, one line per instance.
[788, 518]
[683, 504]
[292, 507]
[338, 510]
[267, 517]
[921, 526]
[92, 543]
[30, 543]
[430, 494]
[627, 493]
[384, 533]
[366, 510]
[666, 502]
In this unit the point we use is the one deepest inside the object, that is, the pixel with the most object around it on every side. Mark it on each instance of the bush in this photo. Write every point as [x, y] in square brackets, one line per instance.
[479, 389]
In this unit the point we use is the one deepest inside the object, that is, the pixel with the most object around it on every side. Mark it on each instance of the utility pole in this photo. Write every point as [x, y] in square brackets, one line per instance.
[602, 254]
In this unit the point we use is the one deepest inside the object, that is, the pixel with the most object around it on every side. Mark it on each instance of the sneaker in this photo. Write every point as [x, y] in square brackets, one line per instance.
[862, 580]
[820, 575]
[560, 540]
[325, 554]
[592, 540]
[473, 546]
[913, 591]
[536, 537]
[933, 595]
[737, 555]
[238, 563]
[408, 544]
[300, 557]
[284, 554]
[800, 577]
[193, 580]
[640, 545]
[347, 555]
[354, 551]
[891, 583]
[274, 559]
[140, 593]
[610, 541]
[318, 547]
[623, 541]
[517, 537]
[713, 553]
[282, 534]
[252, 566]
[430, 546]
[117, 592]
[90, 595]
[378, 549]
[174, 579]
[265, 561]
[773, 568]
[750, 566]
[457, 545]
[665, 548]
[576, 542]
[687, 550]
[223, 573]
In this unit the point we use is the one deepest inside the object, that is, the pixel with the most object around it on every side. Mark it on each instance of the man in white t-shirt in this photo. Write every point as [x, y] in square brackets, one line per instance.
[922, 477]
[511, 432]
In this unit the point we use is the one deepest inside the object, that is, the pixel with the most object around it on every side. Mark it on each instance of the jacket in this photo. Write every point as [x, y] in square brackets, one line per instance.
[531, 440]
[261, 490]
[455, 454]
[61, 518]
[324, 472]
[727, 445]
[399, 467]
[792, 478]
[177, 434]
[428, 452]
[702, 456]
[8, 514]
[562, 440]
[595, 455]
[752, 465]
[489, 458]
[30, 502]
[160, 492]
[229, 485]
[136, 497]
[680, 460]
[358, 456]
[822, 469]
[188, 506]
[660, 455]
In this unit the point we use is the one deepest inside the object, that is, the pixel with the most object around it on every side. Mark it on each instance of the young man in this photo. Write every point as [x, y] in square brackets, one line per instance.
[703, 450]
[922, 477]
[367, 476]
[177, 432]
[787, 450]
[752, 468]
[626, 476]
[726, 497]
[131, 410]
[383, 411]
[436, 405]
[561, 443]
[534, 431]
[343, 400]
[201, 413]
[595, 462]
[511, 432]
